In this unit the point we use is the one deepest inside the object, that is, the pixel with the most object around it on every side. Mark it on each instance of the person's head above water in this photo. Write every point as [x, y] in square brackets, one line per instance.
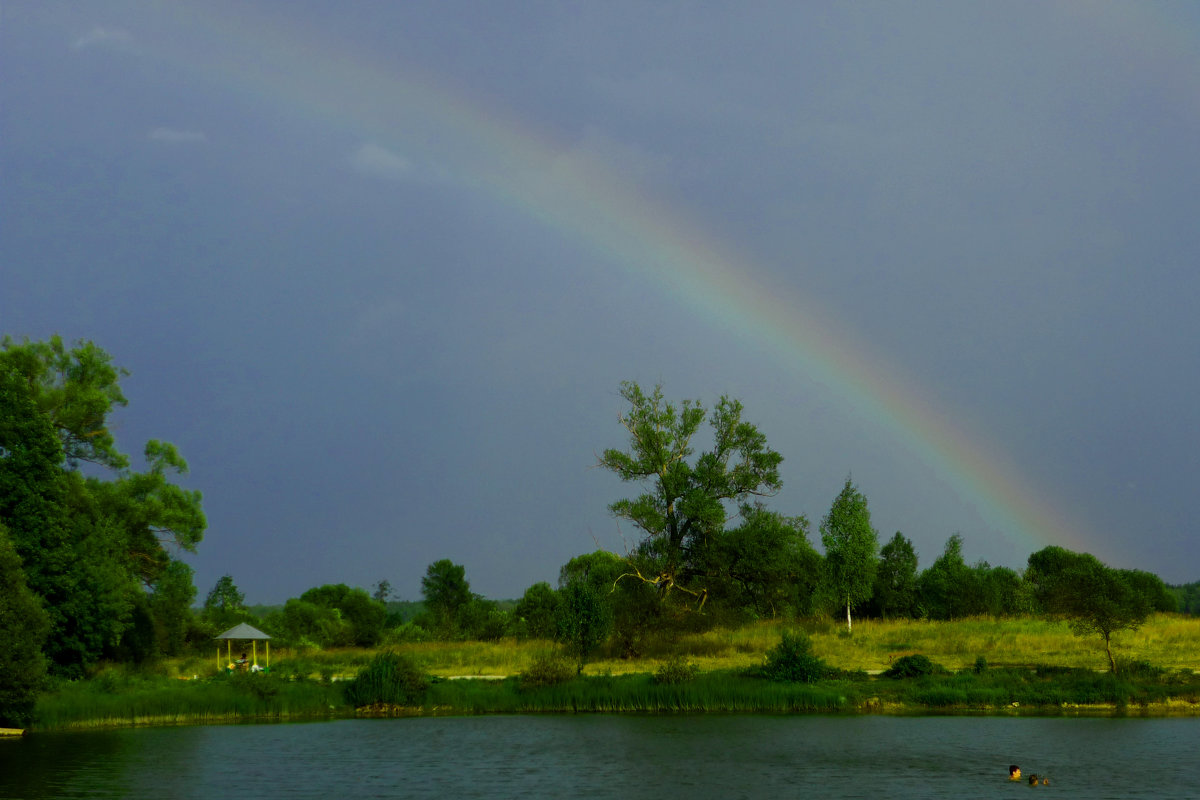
[1014, 772]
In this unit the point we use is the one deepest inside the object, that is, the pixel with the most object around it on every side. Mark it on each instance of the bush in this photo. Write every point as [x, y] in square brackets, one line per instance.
[1132, 668]
[548, 670]
[913, 666]
[981, 665]
[390, 679]
[675, 671]
[792, 660]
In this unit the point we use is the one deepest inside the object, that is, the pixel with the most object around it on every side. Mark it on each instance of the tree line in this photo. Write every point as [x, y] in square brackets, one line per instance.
[90, 546]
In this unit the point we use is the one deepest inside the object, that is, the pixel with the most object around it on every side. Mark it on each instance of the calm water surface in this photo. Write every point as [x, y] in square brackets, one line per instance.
[623, 756]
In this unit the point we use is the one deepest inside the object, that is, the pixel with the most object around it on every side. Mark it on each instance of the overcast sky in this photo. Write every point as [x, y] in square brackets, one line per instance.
[378, 269]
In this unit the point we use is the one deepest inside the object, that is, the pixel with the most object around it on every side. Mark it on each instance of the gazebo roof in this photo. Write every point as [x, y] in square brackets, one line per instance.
[242, 631]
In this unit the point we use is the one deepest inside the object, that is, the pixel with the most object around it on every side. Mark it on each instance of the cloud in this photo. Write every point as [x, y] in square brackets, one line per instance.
[371, 159]
[176, 136]
[100, 36]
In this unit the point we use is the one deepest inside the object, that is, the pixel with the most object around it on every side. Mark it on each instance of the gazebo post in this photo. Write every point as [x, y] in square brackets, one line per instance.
[254, 648]
[268, 646]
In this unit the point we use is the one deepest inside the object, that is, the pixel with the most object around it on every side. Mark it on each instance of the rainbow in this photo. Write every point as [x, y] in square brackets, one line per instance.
[394, 105]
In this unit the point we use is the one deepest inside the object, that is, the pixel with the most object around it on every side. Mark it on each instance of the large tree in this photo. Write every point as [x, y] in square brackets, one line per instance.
[685, 499]
[767, 564]
[23, 629]
[1093, 598]
[447, 594]
[851, 549]
[895, 592]
[93, 541]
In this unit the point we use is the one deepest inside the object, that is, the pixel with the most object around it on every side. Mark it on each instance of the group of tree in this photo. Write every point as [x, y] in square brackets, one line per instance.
[688, 548]
[88, 541]
[89, 548]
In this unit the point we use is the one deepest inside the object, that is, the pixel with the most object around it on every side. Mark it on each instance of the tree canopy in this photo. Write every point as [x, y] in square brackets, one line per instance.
[93, 541]
[685, 499]
[1093, 598]
[851, 548]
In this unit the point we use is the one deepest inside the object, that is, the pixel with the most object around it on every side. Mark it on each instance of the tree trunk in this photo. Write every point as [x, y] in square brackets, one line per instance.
[1112, 663]
[848, 615]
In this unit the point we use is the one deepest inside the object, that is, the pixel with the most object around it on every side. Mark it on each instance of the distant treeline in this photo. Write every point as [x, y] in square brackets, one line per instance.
[1187, 597]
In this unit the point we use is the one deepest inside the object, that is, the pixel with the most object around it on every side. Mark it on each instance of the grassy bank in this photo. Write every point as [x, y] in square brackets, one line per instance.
[1010, 666]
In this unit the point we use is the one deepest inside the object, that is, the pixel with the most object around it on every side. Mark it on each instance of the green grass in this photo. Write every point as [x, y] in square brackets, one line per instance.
[1030, 664]
[116, 698]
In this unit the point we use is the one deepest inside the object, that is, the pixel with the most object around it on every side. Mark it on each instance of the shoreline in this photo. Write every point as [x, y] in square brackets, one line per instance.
[1172, 709]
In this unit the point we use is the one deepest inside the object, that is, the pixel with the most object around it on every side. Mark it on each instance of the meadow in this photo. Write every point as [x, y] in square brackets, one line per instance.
[990, 665]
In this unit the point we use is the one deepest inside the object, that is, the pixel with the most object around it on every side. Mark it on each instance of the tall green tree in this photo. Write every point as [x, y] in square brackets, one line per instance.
[1093, 598]
[895, 591]
[364, 614]
[447, 595]
[684, 502]
[171, 600]
[583, 621]
[94, 542]
[535, 612]
[767, 563]
[225, 605]
[851, 548]
[23, 630]
[947, 587]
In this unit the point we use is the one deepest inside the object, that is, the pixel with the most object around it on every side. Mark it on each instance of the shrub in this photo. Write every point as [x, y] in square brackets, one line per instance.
[913, 666]
[390, 678]
[675, 671]
[981, 665]
[1132, 668]
[547, 670]
[793, 660]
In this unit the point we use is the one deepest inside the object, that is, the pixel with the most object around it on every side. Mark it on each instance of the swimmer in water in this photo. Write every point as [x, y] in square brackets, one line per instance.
[1014, 772]
[1033, 779]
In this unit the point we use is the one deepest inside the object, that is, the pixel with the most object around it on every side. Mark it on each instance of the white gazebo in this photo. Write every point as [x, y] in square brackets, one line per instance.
[243, 633]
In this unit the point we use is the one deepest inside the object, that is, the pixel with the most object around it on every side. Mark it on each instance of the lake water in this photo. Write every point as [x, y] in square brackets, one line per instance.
[682, 757]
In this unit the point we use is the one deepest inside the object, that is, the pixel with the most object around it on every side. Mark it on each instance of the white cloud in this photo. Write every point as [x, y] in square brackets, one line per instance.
[100, 36]
[371, 159]
[176, 136]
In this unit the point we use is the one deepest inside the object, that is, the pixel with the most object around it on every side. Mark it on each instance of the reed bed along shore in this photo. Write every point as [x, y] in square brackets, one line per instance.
[992, 666]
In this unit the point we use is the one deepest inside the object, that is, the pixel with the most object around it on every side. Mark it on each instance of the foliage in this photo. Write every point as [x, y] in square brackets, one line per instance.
[685, 500]
[225, 605]
[171, 602]
[23, 630]
[382, 591]
[913, 666]
[765, 565]
[446, 594]
[583, 621]
[1187, 597]
[92, 541]
[483, 620]
[548, 670]
[1093, 598]
[895, 590]
[535, 612]
[631, 607]
[793, 660]
[851, 548]
[675, 671]
[391, 679]
[950, 589]
[364, 617]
